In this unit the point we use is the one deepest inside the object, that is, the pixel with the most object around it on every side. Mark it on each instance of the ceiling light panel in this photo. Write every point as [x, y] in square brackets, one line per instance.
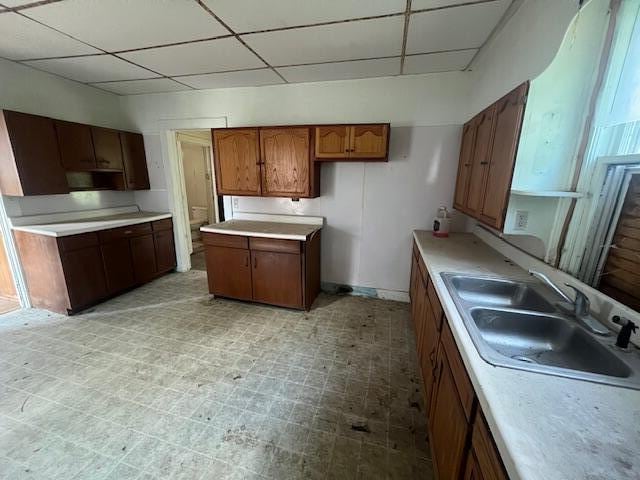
[327, 43]
[438, 62]
[246, 78]
[342, 71]
[453, 28]
[251, 15]
[135, 87]
[99, 68]
[115, 25]
[201, 57]
[23, 38]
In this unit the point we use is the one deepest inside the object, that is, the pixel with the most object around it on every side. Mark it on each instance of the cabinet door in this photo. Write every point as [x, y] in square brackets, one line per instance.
[368, 141]
[488, 462]
[134, 161]
[106, 144]
[84, 276]
[144, 258]
[332, 141]
[508, 121]
[464, 166]
[237, 161]
[413, 277]
[429, 348]
[165, 250]
[482, 148]
[277, 278]
[76, 146]
[118, 267]
[448, 426]
[228, 271]
[29, 156]
[285, 162]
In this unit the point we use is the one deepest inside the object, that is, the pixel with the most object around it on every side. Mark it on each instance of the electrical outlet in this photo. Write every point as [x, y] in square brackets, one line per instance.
[235, 203]
[522, 220]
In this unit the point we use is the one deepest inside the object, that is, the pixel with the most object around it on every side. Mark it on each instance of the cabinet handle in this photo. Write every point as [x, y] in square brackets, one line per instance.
[484, 163]
[255, 262]
[128, 232]
[246, 261]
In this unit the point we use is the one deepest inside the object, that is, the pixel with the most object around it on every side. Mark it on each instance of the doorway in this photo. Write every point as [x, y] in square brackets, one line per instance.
[196, 162]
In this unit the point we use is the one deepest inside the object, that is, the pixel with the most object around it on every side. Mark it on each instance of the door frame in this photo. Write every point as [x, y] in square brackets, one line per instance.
[174, 177]
[13, 258]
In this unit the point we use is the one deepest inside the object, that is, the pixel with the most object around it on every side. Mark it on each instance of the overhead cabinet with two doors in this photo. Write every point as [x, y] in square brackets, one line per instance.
[284, 161]
[43, 156]
[487, 158]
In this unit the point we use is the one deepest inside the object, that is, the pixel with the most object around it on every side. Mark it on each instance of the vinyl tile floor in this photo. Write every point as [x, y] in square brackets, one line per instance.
[167, 382]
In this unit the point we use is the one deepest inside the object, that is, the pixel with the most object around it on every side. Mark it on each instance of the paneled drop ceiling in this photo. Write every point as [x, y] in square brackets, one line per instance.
[131, 47]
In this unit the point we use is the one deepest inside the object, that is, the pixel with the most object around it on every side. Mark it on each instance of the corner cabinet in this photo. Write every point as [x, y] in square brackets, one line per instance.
[278, 272]
[487, 158]
[352, 142]
[460, 439]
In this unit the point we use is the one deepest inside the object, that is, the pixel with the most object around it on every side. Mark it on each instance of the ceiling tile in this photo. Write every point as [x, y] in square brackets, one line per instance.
[342, 71]
[453, 28]
[344, 41]
[135, 87]
[252, 15]
[99, 68]
[438, 62]
[246, 78]
[424, 4]
[201, 57]
[23, 38]
[125, 24]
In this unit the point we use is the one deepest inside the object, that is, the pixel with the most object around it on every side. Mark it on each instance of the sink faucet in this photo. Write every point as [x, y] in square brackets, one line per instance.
[579, 308]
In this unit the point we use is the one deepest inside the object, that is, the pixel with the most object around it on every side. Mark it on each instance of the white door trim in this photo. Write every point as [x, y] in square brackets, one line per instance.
[175, 180]
[13, 258]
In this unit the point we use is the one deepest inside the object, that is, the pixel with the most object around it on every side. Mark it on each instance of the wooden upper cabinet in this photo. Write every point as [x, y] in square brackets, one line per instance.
[368, 141]
[76, 146]
[332, 141]
[29, 156]
[509, 112]
[237, 161]
[107, 148]
[480, 160]
[286, 162]
[464, 165]
[352, 142]
[134, 161]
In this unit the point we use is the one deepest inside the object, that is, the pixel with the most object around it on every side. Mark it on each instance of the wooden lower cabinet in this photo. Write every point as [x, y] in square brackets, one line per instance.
[70, 273]
[278, 272]
[460, 439]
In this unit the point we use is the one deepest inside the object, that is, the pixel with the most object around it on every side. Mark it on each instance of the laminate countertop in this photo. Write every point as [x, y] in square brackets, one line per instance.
[545, 427]
[91, 224]
[266, 229]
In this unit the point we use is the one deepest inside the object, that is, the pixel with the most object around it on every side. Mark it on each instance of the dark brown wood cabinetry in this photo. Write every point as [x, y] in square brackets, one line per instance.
[42, 156]
[460, 440]
[487, 158]
[67, 274]
[274, 271]
[352, 142]
[29, 156]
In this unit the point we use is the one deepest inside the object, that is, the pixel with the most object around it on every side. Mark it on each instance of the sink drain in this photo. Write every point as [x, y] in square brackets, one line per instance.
[522, 358]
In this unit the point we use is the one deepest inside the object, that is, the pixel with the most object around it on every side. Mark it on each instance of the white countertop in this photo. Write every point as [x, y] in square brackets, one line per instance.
[545, 427]
[90, 224]
[267, 229]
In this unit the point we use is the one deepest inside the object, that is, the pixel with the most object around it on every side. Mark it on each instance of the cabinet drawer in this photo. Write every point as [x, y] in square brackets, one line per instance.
[436, 306]
[222, 240]
[460, 376]
[124, 232]
[274, 245]
[76, 242]
[164, 224]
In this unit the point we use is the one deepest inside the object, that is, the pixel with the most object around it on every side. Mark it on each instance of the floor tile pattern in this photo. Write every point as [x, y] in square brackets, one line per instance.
[166, 382]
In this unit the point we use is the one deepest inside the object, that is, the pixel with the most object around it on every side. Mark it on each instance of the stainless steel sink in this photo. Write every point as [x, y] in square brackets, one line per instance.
[516, 325]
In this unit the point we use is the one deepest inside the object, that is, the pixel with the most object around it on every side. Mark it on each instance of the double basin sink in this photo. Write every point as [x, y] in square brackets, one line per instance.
[517, 325]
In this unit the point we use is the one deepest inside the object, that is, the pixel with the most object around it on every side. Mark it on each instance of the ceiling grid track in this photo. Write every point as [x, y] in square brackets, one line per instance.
[406, 14]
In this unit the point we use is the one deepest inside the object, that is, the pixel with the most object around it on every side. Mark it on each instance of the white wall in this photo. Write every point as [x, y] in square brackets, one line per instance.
[370, 209]
[27, 90]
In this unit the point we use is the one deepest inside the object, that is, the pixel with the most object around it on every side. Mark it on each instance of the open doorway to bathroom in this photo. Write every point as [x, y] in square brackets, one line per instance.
[201, 203]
